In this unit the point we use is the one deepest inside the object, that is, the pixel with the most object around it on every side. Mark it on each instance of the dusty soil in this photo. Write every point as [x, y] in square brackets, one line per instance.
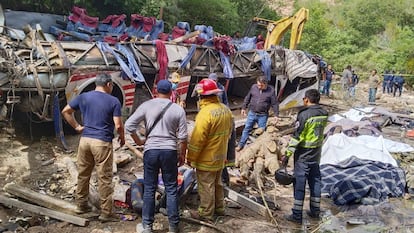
[34, 160]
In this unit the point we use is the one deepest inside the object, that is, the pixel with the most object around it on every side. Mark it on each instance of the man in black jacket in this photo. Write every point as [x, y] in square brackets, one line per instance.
[259, 100]
[306, 146]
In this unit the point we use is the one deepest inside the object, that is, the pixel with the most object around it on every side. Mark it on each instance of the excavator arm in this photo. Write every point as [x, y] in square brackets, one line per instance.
[277, 29]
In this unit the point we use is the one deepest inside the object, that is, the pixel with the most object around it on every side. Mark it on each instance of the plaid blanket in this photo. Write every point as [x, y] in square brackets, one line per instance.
[354, 179]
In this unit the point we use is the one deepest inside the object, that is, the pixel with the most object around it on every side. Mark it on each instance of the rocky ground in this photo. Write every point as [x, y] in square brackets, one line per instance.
[35, 160]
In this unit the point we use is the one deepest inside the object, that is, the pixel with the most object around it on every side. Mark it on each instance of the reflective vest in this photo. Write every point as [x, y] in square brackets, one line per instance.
[310, 126]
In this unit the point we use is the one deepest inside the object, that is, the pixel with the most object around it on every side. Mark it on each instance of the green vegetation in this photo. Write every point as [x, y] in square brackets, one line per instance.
[368, 34]
[364, 33]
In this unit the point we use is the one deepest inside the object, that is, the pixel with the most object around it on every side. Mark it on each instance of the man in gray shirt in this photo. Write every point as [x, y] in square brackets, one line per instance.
[347, 81]
[160, 152]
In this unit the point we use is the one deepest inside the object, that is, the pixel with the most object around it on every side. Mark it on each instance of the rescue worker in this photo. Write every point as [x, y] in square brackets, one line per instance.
[231, 153]
[207, 149]
[398, 84]
[306, 146]
[386, 80]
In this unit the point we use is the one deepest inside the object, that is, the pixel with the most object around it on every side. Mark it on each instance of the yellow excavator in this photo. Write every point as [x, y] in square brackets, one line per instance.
[277, 29]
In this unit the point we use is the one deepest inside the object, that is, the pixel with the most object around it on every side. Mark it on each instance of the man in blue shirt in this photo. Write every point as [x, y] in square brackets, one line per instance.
[101, 114]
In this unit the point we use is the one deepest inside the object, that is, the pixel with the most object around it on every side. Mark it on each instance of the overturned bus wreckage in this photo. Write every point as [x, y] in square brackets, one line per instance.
[39, 73]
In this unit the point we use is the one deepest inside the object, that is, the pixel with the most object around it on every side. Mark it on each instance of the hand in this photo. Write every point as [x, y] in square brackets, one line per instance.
[121, 140]
[243, 112]
[188, 162]
[181, 160]
[182, 103]
[285, 160]
[79, 128]
[275, 120]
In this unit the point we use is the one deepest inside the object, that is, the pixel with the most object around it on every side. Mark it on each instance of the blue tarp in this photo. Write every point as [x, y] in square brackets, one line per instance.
[266, 63]
[187, 58]
[131, 69]
[225, 61]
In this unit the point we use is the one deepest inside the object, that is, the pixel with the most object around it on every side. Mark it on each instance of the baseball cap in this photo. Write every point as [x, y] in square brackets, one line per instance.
[164, 86]
[213, 76]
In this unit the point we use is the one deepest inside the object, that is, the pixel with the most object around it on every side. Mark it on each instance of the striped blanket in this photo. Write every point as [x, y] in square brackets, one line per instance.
[354, 179]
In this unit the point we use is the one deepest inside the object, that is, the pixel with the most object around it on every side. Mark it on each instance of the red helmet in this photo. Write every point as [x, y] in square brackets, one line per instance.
[207, 87]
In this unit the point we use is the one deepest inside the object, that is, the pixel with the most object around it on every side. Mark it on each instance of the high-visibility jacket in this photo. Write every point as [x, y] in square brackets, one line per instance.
[207, 150]
[310, 124]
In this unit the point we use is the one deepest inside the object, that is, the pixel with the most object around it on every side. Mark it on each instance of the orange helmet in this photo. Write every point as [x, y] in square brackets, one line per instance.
[207, 87]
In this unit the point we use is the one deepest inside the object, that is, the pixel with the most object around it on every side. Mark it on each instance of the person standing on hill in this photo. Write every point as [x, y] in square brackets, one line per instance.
[305, 146]
[328, 76]
[398, 84]
[259, 100]
[101, 114]
[352, 85]
[390, 84]
[346, 81]
[386, 80]
[373, 83]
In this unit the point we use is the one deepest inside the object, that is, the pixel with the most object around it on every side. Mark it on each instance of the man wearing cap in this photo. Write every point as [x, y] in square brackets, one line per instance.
[160, 151]
[231, 153]
[259, 100]
[101, 114]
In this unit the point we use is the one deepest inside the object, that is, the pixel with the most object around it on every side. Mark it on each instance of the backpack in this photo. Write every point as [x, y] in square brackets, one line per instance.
[355, 79]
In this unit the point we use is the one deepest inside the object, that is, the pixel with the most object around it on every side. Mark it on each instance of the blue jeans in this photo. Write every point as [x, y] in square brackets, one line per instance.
[371, 95]
[352, 92]
[326, 87]
[252, 118]
[154, 160]
[306, 171]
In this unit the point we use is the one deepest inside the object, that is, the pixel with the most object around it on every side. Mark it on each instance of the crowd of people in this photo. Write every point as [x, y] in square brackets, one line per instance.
[392, 83]
[212, 146]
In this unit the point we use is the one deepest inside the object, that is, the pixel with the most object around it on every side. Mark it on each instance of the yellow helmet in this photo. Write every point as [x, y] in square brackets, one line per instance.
[175, 77]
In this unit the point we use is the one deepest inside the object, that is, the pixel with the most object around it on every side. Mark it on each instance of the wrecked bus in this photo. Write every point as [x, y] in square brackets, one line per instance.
[39, 71]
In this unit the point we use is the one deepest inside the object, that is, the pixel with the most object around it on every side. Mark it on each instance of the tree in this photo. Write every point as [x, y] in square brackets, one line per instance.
[220, 14]
[315, 30]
